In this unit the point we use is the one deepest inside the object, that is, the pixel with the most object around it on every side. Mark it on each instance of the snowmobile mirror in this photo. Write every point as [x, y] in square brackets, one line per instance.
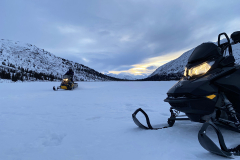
[235, 37]
[225, 45]
[209, 145]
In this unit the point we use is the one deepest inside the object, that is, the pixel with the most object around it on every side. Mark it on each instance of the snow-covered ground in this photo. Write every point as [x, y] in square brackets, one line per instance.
[93, 122]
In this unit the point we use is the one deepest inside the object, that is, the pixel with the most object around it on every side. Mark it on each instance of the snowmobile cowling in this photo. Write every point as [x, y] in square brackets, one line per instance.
[204, 52]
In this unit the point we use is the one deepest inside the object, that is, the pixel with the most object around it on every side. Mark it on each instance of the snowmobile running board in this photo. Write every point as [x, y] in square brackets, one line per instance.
[210, 146]
[171, 120]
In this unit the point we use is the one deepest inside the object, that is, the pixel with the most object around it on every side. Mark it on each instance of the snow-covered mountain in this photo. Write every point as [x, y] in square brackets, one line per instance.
[30, 62]
[174, 69]
[127, 76]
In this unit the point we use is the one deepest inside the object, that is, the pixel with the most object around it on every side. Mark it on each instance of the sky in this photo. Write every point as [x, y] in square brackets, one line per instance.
[118, 36]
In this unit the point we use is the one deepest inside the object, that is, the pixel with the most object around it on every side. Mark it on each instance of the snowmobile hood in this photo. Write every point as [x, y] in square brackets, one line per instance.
[204, 52]
[196, 88]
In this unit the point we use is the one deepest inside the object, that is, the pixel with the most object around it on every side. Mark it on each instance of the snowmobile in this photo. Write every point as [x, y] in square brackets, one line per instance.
[208, 92]
[66, 84]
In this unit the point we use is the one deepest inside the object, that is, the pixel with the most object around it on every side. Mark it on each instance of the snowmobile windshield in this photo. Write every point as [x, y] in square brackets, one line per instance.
[204, 52]
[66, 77]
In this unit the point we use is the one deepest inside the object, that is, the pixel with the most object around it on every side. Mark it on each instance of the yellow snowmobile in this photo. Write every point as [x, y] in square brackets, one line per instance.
[66, 84]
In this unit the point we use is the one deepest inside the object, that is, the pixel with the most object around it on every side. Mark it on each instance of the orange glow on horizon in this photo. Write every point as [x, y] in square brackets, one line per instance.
[142, 68]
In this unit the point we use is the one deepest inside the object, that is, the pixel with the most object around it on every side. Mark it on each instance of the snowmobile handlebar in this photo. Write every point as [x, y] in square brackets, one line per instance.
[225, 45]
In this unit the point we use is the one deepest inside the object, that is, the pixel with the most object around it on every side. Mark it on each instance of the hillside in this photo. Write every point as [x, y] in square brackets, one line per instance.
[24, 61]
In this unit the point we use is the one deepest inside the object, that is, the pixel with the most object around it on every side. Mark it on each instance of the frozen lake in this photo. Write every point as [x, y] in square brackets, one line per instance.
[93, 122]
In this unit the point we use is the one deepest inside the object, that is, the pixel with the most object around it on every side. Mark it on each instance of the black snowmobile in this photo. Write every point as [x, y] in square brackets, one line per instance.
[208, 92]
[66, 84]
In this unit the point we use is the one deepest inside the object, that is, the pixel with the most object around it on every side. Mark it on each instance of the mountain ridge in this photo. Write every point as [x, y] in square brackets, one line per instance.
[127, 76]
[26, 60]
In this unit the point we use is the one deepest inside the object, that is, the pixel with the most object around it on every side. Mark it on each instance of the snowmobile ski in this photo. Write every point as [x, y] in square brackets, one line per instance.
[210, 146]
[171, 120]
[56, 89]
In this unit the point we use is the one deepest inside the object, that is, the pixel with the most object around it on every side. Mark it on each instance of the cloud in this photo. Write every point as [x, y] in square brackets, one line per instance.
[152, 67]
[148, 65]
[114, 35]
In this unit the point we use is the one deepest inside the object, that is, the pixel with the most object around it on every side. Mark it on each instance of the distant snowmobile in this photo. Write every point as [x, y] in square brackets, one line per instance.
[66, 84]
[209, 93]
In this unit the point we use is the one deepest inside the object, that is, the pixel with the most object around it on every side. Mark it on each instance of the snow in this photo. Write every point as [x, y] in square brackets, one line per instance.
[17, 55]
[127, 76]
[93, 122]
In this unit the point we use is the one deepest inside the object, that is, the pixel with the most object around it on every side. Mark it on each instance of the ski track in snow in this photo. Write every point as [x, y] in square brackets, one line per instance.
[93, 122]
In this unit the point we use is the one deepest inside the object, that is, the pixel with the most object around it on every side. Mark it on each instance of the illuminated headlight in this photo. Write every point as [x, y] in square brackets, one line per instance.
[200, 69]
[185, 72]
[65, 79]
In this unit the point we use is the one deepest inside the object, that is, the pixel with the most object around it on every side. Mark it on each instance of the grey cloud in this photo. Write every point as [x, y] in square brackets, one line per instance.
[123, 33]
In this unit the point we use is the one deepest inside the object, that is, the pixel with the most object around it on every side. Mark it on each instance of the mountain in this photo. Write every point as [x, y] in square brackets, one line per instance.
[174, 69]
[127, 76]
[24, 61]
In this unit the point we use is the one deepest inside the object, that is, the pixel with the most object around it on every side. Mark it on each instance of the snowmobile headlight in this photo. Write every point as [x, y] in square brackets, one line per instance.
[66, 79]
[200, 69]
[185, 72]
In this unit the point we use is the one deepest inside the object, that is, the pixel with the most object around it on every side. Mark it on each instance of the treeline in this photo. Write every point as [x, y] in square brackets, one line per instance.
[94, 75]
[168, 77]
[25, 75]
